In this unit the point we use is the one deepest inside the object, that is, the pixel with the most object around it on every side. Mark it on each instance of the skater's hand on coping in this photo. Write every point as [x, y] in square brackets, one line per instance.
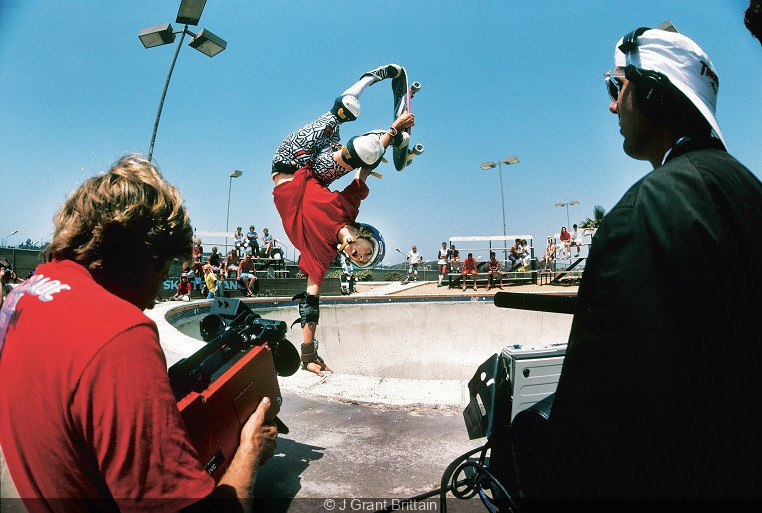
[404, 121]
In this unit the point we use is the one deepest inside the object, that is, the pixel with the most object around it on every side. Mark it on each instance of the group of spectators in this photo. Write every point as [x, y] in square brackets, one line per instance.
[209, 274]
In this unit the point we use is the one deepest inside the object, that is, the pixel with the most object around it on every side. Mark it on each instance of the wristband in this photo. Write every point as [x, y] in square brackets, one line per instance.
[392, 131]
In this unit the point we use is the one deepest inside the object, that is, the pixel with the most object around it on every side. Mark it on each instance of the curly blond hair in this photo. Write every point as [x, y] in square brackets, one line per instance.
[123, 220]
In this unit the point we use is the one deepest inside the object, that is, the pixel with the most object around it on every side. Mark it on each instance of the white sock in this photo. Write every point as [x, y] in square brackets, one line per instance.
[358, 87]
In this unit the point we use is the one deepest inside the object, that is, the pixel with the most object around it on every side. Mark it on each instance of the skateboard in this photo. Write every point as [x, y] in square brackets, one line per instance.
[403, 94]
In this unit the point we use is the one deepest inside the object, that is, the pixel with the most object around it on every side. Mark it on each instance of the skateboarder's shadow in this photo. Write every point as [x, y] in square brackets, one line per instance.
[280, 478]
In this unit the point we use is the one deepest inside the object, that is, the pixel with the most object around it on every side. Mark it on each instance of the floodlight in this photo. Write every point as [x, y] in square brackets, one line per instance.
[235, 174]
[190, 11]
[488, 165]
[157, 35]
[207, 43]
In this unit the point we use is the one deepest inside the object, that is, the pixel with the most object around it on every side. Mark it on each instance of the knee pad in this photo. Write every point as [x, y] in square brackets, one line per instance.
[346, 108]
[309, 308]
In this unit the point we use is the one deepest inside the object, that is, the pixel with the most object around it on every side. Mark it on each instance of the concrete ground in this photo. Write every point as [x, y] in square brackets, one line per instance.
[340, 449]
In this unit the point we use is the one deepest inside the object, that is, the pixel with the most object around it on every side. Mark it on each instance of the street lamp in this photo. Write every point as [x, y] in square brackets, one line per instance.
[205, 42]
[499, 164]
[5, 240]
[561, 205]
[233, 174]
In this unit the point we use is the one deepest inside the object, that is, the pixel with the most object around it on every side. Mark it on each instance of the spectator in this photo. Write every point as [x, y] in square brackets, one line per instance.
[454, 258]
[514, 255]
[414, 259]
[442, 262]
[198, 250]
[565, 240]
[252, 237]
[550, 255]
[106, 433]
[493, 269]
[246, 274]
[267, 239]
[212, 283]
[6, 278]
[183, 289]
[231, 263]
[576, 239]
[348, 275]
[631, 415]
[526, 255]
[469, 267]
[239, 239]
[214, 259]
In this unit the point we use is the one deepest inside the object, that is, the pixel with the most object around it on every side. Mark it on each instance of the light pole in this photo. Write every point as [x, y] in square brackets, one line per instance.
[205, 42]
[560, 205]
[233, 174]
[499, 164]
[5, 240]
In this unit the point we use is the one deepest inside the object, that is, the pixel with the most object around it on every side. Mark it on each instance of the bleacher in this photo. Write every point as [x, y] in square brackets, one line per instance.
[481, 246]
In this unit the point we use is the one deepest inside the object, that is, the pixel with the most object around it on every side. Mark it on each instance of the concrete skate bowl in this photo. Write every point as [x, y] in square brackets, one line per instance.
[438, 340]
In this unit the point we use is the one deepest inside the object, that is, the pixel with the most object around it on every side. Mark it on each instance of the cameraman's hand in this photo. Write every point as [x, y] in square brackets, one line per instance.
[257, 445]
[258, 435]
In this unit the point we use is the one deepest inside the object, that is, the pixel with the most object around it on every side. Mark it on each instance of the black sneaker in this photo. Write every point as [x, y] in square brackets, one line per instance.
[384, 72]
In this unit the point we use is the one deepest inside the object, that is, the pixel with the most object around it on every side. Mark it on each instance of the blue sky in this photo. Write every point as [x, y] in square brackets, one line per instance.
[500, 78]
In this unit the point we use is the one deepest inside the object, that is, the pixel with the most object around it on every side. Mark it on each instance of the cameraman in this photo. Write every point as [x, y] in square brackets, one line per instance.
[86, 409]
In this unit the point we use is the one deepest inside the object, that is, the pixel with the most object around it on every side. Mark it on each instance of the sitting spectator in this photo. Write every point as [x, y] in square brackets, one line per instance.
[526, 255]
[442, 262]
[253, 242]
[414, 259]
[213, 285]
[238, 238]
[514, 256]
[246, 274]
[198, 250]
[493, 269]
[231, 263]
[565, 240]
[348, 275]
[576, 239]
[214, 259]
[268, 241]
[183, 289]
[550, 254]
[469, 267]
[454, 257]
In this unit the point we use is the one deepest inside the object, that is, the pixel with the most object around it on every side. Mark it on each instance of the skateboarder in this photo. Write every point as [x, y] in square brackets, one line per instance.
[318, 221]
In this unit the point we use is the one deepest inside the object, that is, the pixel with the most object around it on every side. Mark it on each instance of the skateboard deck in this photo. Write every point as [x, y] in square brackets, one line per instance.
[403, 94]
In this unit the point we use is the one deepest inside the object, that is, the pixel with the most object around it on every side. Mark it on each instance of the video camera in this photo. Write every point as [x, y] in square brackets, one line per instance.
[220, 386]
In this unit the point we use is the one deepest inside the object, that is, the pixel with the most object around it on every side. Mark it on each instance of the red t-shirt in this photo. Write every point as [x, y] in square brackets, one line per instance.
[86, 408]
[312, 216]
[469, 264]
[565, 236]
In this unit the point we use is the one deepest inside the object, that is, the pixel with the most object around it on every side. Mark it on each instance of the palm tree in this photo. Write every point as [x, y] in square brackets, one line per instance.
[598, 213]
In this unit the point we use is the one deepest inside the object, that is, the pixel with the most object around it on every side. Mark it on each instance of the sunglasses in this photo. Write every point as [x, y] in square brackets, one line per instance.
[614, 83]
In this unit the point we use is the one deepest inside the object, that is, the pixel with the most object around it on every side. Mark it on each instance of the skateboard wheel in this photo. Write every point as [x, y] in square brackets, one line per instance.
[415, 87]
[417, 149]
